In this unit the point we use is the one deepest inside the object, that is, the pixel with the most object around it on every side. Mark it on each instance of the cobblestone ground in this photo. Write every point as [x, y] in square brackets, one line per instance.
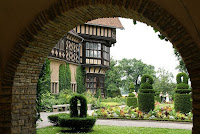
[133, 123]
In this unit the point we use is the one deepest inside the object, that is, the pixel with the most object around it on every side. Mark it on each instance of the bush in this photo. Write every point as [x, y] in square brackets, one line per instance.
[73, 106]
[179, 76]
[54, 118]
[182, 86]
[157, 98]
[146, 102]
[147, 79]
[131, 101]
[131, 87]
[131, 95]
[113, 91]
[182, 91]
[147, 91]
[78, 124]
[183, 103]
[146, 86]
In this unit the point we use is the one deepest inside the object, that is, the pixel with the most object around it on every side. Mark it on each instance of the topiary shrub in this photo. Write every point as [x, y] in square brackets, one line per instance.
[131, 99]
[131, 87]
[157, 96]
[54, 118]
[182, 97]
[74, 121]
[73, 106]
[183, 103]
[146, 94]
[77, 124]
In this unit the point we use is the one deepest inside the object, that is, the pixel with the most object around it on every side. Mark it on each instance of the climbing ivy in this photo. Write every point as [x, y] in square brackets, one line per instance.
[80, 80]
[64, 77]
[43, 85]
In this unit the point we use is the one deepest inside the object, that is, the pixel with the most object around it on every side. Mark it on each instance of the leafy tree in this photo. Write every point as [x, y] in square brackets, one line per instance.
[64, 77]
[80, 80]
[113, 91]
[163, 82]
[113, 75]
[131, 70]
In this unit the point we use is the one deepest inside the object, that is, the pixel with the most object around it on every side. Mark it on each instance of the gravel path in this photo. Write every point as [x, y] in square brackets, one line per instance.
[118, 122]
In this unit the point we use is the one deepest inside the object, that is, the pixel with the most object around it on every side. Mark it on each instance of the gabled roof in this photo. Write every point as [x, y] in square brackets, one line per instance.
[107, 22]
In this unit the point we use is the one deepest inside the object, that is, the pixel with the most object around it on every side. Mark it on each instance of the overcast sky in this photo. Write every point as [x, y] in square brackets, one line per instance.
[141, 42]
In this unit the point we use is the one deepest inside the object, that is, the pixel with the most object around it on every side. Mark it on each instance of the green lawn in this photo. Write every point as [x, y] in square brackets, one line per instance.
[111, 104]
[164, 105]
[98, 129]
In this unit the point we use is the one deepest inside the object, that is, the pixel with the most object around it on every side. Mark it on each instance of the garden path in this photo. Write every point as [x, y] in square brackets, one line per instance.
[118, 122]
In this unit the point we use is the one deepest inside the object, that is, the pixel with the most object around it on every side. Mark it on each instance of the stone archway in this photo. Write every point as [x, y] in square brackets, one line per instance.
[19, 76]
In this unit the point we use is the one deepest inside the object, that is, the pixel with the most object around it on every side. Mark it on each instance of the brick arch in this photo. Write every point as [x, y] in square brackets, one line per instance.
[22, 70]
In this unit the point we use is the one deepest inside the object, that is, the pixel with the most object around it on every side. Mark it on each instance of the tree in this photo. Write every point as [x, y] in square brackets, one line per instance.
[131, 70]
[163, 82]
[64, 77]
[113, 75]
[80, 80]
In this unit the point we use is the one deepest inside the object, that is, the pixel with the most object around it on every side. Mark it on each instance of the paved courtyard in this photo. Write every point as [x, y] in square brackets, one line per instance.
[118, 122]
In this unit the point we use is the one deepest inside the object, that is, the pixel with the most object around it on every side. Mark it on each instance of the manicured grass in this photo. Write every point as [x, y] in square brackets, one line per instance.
[98, 129]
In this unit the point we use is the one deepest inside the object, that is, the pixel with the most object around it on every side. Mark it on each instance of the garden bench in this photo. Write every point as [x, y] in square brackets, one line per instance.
[65, 107]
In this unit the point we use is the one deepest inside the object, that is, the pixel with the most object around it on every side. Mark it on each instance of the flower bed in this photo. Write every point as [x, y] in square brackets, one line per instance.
[164, 113]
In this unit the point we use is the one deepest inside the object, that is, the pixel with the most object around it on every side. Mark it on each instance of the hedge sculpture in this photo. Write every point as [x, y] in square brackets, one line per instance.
[74, 121]
[182, 97]
[146, 94]
[131, 99]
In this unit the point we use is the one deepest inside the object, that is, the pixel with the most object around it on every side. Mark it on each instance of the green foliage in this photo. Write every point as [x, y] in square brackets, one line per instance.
[131, 95]
[131, 101]
[146, 102]
[98, 93]
[157, 98]
[131, 70]
[64, 77]
[182, 86]
[163, 83]
[147, 91]
[54, 118]
[113, 91]
[80, 80]
[131, 87]
[182, 103]
[147, 79]
[73, 106]
[146, 86]
[47, 101]
[183, 91]
[43, 85]
[179, 80]
[77, 124]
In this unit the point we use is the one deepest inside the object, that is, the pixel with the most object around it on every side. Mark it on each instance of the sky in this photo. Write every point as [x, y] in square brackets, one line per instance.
[141, 42]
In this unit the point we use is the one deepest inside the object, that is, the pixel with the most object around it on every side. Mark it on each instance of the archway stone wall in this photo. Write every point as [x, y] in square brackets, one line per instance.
[19, 78]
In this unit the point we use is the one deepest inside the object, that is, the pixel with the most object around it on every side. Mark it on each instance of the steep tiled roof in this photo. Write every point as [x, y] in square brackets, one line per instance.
[108, 22]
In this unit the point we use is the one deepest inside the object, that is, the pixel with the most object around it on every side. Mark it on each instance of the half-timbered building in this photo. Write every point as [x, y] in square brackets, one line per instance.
[88, 45]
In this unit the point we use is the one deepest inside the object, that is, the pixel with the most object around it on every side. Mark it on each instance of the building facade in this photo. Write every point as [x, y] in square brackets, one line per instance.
[87, 45]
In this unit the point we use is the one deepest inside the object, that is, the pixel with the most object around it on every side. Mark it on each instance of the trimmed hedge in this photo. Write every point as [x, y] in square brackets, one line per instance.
[73, 106]
[182, 86]
[182, 91]
[131, 101]
[146, 102]
[146, 96]
[182, 103]
[131, 95]
[179, 76]
[78, 124]
[147, 91]
[147, 79]
[54, 118]
[131, 87]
